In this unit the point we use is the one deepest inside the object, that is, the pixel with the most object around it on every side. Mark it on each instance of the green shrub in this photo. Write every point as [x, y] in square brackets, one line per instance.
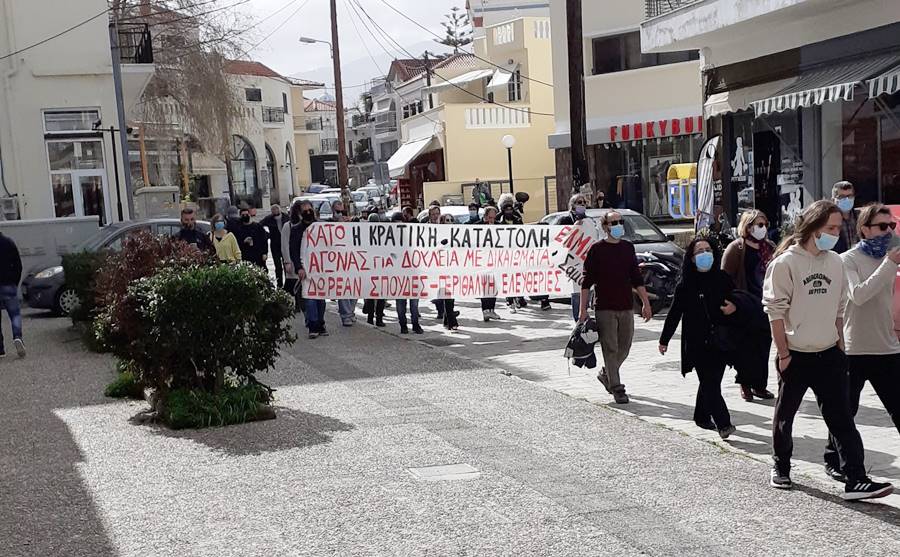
[125, 386]
[186, 327]
[80, 270]
[191, 408]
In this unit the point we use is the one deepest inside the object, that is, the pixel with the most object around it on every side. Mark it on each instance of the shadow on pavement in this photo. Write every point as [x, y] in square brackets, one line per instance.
[45, 506]
[885, 513]
[291, 429]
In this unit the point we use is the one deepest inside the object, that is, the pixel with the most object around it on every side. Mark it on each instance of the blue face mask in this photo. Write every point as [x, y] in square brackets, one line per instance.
[704, 261]
[617, 231]
[845, 204]
[220, 226]
[580, 210]
[876, 247]
[826, 242]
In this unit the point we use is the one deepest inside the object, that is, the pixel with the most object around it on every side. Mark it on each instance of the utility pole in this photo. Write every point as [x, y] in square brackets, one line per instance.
[343, 174]
[577, 125]
[120, 110]
[428, 81]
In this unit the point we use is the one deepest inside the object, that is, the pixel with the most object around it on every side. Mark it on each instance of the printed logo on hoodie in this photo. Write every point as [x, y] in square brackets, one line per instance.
[819, 283]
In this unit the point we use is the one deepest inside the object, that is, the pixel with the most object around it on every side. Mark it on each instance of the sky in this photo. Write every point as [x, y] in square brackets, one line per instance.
[284, 54]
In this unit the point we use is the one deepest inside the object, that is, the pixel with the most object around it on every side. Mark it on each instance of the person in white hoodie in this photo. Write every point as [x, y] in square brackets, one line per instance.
[804, 295]
[873, 349]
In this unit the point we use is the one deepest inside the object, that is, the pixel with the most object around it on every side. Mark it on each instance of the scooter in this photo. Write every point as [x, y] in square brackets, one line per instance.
[660, 272]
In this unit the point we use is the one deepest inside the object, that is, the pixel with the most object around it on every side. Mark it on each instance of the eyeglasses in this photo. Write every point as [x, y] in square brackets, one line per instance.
[614, 223]
[883, 226]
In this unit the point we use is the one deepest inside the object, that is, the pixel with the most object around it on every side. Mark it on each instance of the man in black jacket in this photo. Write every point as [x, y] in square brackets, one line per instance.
[10, 275]
[189, 233]
[252, 239]
[315, 309]
[273, 223]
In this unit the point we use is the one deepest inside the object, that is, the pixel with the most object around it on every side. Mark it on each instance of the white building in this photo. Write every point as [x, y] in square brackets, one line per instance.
[487, 13]
[56, 100]
[804, 92]
[643, 112]
[321, 139]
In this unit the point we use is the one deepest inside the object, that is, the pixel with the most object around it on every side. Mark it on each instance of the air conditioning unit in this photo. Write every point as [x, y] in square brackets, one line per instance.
[9, 208]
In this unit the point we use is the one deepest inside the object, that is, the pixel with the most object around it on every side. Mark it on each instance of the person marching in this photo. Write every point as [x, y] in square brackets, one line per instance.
[315, 309]
[489, 305]
[701, 304]
[509, 216]
[406, 217]
[746, 260]
[290, 277]
[805, 295]
[273, 223]
[872, 347]
[577, 214]
[374, 309]
[450, 313]
[224, 242]
[611, 268]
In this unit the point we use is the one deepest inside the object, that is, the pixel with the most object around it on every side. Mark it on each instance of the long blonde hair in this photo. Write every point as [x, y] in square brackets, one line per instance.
[747, 220]
[808, 223]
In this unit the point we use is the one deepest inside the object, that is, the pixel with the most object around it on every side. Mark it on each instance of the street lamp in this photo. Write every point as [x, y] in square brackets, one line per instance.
[309, 40]
[509, 142]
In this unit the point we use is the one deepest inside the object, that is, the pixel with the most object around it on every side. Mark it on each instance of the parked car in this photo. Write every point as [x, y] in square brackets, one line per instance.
[374, 193]
[313, 189]
[460, 213]
[331, 190]
[45, 287]
[361, 199]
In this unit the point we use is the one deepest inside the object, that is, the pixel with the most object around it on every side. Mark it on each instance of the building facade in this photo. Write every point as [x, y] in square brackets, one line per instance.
[58, 101]
[320, 136]
[453, 129]
[643, 112]
[487, 13]
[805, 93]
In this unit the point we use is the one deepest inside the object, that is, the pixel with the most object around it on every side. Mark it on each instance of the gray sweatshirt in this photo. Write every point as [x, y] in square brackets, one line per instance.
[868, 319]
[809, 293]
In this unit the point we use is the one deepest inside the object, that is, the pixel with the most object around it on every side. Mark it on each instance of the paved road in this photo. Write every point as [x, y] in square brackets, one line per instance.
[546, 474]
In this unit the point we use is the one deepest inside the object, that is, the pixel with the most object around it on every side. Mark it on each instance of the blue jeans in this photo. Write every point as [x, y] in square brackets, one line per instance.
[576, 304]
[9, 299]
[413, 312]
[315, 315]
[346, 309]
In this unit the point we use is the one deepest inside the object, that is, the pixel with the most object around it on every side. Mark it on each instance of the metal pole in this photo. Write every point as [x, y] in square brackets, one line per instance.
[343, 177]
[112, 137]
[577, 124]
[509, 157]
[120, 106]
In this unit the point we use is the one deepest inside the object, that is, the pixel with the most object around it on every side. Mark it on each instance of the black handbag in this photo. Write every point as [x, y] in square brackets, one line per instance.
[720, 336]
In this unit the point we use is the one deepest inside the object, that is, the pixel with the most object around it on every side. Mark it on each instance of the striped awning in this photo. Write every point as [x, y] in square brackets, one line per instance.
[832, 83]
[887, 83]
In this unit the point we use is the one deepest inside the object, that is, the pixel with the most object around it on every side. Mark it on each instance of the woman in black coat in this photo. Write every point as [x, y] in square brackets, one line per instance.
[701, 305]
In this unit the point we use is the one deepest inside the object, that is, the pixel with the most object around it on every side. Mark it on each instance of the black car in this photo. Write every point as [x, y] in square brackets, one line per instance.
[44, 287]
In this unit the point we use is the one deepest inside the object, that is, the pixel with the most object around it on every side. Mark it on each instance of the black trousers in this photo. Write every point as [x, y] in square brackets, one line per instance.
[753, 364]
[883, 372]
[710, 404]
[439, 306]
[279, 266]
[826, 374]
[450, 313]
[488, 304]
[374, 308]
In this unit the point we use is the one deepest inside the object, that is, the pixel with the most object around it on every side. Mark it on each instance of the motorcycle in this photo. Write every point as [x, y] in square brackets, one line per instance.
[660, 272]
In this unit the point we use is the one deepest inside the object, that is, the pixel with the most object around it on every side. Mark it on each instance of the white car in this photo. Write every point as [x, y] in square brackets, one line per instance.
[460, 213]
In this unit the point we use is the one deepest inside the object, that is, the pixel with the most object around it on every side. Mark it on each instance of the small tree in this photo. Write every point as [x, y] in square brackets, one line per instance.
[458, 29]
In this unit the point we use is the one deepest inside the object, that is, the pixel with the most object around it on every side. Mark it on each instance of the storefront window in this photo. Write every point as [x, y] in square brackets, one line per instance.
[778, 166]
[890, 150]
[859, 152]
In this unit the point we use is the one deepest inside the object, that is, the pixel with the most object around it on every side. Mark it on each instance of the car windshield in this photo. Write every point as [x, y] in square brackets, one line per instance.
[359, 196]
[639, 230]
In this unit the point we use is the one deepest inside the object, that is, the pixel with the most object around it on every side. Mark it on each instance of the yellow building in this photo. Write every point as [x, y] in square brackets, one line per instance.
[471, 104]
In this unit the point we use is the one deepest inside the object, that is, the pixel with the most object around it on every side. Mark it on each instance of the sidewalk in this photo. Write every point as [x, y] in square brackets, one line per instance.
[530, 345]
[347, 468]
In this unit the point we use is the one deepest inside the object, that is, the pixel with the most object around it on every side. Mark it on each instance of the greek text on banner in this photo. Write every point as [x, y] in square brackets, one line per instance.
[427, 261]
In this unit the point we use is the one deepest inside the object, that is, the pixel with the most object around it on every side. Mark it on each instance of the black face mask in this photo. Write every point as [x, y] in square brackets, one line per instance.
[245, 218]
[308, 215]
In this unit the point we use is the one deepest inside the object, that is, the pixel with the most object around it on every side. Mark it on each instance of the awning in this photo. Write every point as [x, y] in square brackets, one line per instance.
[741, 99]
[836, 82]
[887, 83]
[459, 81]
[502, 77]
[406, 154]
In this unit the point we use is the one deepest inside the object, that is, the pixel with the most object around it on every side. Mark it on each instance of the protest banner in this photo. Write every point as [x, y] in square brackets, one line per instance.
[426, 261]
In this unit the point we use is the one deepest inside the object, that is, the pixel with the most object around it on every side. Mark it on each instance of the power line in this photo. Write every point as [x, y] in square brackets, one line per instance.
[278, 28]
[463, 89]
[419, 25]
[348, 6]
[48, 39]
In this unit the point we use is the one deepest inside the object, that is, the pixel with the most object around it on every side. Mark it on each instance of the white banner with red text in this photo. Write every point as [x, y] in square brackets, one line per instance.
[428, 261]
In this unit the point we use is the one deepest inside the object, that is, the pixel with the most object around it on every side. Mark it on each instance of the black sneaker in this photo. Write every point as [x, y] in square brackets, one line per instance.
[20, 347]
[323, 333]
[404, 330]
[313, 335]
[865, 488]
[780, 479]
[418, 330]
[835, 474]
[727, 432]
[604, 379]
[545, 305]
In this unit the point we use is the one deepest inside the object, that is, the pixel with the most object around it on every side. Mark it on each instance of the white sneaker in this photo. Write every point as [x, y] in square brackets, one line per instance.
[512, 308]
[486, 314]
[20, 347]
[492, 314]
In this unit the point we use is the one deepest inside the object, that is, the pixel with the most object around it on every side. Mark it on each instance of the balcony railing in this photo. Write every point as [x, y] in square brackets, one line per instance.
[655, 8]
[273, 115]
[329, 145]
[314, 125]
[135, 44]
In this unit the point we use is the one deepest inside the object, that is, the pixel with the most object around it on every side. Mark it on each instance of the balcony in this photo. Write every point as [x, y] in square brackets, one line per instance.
[488, 116]
[329, 145]
[273, 115]
[314, 125]
[135, 46]
[655, 8]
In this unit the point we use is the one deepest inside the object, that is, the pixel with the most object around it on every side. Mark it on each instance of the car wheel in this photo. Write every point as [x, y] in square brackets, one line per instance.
[67, 301]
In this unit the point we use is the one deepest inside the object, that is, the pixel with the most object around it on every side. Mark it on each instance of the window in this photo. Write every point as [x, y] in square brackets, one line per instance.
[388, 149]
[77, 177]
[623, 52]
[284, 103]
[70, 121]
[253, 94]
[406, 111]
[243, 172]
[515, 87]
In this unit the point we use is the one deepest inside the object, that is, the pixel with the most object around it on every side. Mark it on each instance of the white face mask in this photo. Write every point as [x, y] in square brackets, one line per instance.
[759, 232]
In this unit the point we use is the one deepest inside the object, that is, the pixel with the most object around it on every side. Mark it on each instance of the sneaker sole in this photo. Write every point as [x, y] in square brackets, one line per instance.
[883, 492]
[780, 486]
